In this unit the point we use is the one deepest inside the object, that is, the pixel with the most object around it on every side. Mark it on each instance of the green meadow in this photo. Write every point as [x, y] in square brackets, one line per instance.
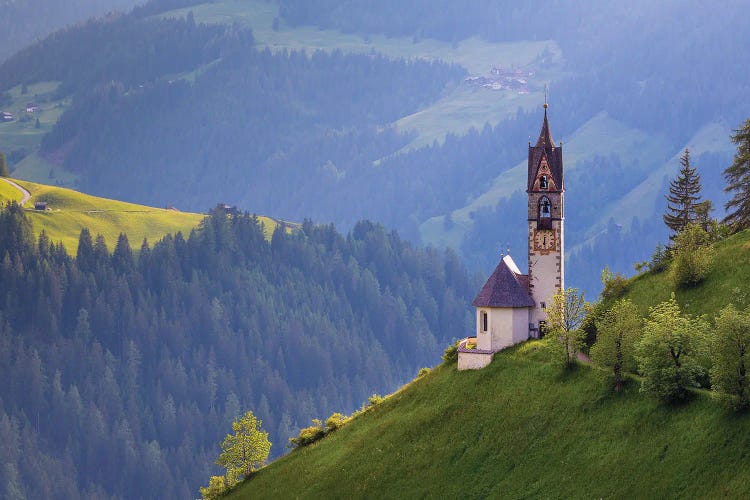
[519, 429]
[70, 211]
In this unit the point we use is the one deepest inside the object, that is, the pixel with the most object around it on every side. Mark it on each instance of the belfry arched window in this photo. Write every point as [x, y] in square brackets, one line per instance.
[544, 208]
[543, 182]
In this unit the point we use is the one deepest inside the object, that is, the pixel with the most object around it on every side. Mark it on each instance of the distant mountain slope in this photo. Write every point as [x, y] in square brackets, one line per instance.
[123, 368]
[337, 111]
[519, 429]
[70, 211]
[23, 21]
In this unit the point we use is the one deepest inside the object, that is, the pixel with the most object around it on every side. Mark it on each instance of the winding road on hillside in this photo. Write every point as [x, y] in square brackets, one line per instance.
[24, 191]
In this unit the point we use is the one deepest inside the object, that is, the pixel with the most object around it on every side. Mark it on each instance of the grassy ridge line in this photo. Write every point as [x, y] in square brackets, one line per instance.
[519, 429]
[727, 282]
[70, 211]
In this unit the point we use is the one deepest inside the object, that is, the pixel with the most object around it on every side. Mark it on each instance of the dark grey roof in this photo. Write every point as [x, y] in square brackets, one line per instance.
[505, 288]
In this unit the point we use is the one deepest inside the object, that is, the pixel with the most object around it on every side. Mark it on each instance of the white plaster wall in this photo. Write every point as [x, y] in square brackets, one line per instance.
[520, 325]
[506, 326]
[501, 327]
[484, 339]
[473, 361]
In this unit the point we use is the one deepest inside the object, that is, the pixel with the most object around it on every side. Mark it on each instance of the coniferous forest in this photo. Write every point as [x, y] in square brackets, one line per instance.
[124, 367]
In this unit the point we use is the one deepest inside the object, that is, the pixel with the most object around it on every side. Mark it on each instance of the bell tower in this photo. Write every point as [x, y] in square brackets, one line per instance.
[546, 218]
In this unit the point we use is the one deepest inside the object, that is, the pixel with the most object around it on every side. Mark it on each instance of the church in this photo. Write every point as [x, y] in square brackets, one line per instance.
[511, 306]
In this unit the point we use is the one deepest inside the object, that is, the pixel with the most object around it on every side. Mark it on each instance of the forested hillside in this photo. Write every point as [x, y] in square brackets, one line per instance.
[270, 105]
[24, 21]
[122, 373]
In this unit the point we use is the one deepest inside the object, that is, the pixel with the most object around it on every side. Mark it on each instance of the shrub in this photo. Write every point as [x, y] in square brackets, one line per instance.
[659, 259]
[451, 353]
[217, 486]
[615, 284]
[423, 372]
[374, 400]
[308, 435]
[335, 422]
[693, 256]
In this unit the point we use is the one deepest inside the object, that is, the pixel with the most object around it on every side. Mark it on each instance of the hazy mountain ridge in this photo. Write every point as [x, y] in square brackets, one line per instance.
[658, 102]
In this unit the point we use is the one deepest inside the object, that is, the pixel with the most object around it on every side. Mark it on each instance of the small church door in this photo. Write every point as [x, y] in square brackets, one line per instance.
[542, 329]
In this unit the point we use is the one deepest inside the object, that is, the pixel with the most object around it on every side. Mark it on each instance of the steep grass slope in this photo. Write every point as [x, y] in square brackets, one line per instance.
[520, 428]
[70, 211]
[726, 282]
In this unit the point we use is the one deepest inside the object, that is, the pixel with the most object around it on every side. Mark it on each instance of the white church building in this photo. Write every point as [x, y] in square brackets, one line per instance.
[511, 306]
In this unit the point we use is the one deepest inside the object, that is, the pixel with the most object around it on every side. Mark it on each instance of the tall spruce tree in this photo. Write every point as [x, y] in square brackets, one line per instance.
[4, 172]
[737, 176]
[684, 193]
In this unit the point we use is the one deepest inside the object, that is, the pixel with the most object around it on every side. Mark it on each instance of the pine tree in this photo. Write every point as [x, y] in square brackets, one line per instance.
[738, 181]
[684, 193]
[4, 172]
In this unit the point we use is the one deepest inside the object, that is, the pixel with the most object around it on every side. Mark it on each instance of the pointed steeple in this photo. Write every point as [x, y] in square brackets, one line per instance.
[545, 150]
[545, 136]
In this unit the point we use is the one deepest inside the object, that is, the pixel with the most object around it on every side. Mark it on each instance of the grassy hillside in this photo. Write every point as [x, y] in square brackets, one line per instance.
[519, 429]
[727, 281]
[22, 138]
[69, 211]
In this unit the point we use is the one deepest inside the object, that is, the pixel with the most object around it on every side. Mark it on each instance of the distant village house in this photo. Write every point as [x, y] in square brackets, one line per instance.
[32, 108]
[6, 116]
[40, 205]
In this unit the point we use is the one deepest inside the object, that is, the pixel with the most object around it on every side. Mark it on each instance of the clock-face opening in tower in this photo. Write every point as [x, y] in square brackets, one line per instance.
[545, 240]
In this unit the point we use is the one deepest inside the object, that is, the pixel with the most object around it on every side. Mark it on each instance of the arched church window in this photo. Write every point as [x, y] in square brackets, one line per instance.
[544, 207]
[484, 321]
[543, 183]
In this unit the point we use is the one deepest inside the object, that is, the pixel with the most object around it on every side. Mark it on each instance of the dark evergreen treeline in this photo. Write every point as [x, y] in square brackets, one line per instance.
[122, 373]
[261, 129]
[23, 22]
[677, 74]
[121, 48]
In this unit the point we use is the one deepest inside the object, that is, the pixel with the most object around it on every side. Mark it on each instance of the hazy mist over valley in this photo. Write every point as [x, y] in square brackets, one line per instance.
[383, 146]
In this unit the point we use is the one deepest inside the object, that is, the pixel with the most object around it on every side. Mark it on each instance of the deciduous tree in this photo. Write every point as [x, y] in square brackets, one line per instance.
[246, 450]
[565, 316]
[730, 354]
[617, 333]
[670, 351]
